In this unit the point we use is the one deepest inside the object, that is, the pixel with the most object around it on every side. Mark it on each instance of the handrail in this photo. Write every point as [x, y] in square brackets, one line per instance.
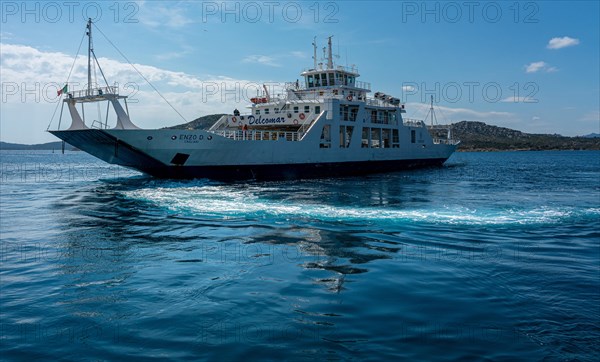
[255, 135]
[413, 122]
[445, 141]
[95, 124]
[94, 92]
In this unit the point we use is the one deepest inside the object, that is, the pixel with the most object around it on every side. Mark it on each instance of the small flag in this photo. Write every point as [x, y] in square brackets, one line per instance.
[64, 89]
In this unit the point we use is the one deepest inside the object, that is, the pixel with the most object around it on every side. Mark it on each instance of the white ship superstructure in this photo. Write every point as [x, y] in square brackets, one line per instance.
[325, 124]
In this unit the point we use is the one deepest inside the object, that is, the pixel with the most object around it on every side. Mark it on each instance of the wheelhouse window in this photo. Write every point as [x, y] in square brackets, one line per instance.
[295, 109]
[306, 109]
[266, 110]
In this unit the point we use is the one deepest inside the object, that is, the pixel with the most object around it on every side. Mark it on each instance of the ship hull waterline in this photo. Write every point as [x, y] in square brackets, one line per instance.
[112, 150]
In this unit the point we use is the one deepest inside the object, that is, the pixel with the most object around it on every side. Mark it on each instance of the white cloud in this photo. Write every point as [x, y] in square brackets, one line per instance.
[514, 99]
[559, 43]
[540, 67]
[535, 118]
[298, 54]
[446, 115]
[5, 35]
[261, 59]
[155, 16]
[30, 78]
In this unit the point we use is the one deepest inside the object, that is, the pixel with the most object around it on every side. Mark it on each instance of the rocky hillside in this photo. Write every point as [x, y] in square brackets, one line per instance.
[43, 146]
[199, 123]
[478, 136]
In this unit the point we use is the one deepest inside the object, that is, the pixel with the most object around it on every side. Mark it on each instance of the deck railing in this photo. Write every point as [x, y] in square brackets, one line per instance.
[94, 92]
[445, 141]
[255, 135]
[413, 122]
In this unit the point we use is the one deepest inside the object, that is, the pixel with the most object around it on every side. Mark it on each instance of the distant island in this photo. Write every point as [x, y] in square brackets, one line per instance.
[478, 136]
[57, 146]
[474, 136]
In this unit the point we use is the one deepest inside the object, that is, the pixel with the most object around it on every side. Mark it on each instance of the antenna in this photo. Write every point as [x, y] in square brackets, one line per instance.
[89, 34]
[432, 112]
[314, 43]
[329, 54]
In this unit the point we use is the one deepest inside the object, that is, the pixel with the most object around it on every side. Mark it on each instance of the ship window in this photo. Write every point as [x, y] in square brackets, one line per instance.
[375, 137]
[412, 136]
[344, 113]
[266, 110]
[353, 113]
[326, 137]
[257, 112]
[342, 136]
[331, 81]
[295, 109]
[395, 138]
[365, 137]
[276, 110]
[306, 109]
[324, 79]
[310, 81]
[385, 138]
[317, 109]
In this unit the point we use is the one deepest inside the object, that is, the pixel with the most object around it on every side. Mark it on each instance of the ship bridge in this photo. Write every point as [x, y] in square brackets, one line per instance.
[324, 77]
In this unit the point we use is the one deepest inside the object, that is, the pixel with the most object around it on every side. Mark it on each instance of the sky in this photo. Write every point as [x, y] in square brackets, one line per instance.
[533, 66]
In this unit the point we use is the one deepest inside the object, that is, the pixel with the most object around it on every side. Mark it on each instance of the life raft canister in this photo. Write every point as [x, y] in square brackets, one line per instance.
[302, 116]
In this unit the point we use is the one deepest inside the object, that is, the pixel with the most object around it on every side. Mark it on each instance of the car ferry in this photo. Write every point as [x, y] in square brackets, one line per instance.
[325, 125]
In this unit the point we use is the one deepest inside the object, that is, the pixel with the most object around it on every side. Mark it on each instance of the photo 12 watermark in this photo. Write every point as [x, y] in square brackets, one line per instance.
[52, 92]
[470, 91]
[270, 11]
[451, 12]
[69, 11]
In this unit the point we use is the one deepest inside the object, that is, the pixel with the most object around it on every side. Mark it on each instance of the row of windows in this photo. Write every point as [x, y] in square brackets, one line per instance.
[371, 137]
[329, 79]
[380, 138]
[296, 109]
[350, 113]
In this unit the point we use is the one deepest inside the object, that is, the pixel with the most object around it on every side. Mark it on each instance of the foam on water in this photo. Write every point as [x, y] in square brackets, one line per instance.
[228, 202]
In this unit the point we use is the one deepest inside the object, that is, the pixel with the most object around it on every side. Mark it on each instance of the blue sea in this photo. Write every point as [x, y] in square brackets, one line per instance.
[495, 256]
